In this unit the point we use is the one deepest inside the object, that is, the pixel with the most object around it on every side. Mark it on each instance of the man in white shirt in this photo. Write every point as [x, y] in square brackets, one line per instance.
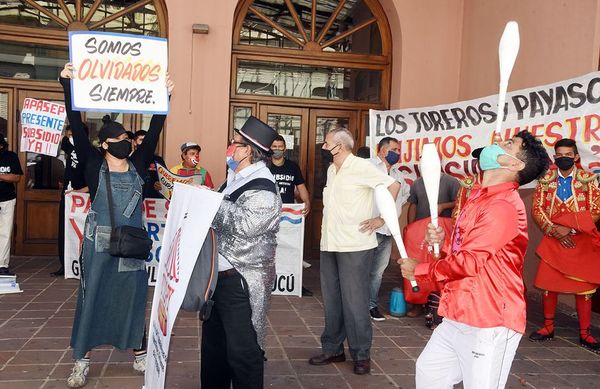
[347, 252]
[388, 155]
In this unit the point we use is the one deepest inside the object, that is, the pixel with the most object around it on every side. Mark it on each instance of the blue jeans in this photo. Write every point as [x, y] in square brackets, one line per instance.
[381, 259]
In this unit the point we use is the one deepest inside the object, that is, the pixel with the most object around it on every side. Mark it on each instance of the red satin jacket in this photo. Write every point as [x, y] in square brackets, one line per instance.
[482, 276]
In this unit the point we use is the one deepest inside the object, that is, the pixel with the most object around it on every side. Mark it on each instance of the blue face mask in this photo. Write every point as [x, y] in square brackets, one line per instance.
[392, 158]
[232, 163]
[488, 160]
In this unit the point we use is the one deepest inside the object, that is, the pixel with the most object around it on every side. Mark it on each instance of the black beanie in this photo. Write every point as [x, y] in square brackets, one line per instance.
[111, 130]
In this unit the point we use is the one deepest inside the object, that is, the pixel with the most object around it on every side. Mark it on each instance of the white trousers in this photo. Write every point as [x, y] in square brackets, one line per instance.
[7, 215]
[479, 357]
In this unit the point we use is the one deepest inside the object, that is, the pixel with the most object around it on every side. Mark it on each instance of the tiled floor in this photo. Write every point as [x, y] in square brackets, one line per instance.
[35, 327]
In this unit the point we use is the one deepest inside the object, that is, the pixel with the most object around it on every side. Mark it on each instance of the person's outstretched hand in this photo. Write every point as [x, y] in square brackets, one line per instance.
[67, 71]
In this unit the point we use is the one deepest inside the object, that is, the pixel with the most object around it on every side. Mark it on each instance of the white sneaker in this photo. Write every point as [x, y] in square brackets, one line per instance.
[78, 377]
[139, 363]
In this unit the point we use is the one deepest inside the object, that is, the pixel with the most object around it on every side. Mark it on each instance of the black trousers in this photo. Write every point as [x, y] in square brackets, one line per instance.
[230, 352]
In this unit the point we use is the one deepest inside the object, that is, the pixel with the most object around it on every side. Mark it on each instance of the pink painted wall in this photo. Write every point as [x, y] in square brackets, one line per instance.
[559, 40]
[200, 67]
[427, 48]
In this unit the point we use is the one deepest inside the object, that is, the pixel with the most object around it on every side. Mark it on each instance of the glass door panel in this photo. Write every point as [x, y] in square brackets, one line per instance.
[321, 122]
[292, 124]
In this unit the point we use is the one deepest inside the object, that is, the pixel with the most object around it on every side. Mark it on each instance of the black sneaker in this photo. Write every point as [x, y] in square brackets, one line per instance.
[5, 272]
[59, 273]
[376, 315]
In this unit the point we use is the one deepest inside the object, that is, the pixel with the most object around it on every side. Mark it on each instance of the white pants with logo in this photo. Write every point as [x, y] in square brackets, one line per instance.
[7, 213]
[479, 357]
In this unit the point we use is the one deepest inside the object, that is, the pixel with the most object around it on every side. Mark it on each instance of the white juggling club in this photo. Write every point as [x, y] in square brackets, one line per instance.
[431, 167]
[507, 53]
[387, 210]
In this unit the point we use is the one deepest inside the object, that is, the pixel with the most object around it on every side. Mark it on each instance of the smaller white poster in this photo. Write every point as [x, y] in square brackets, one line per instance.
[155, 218]
[191, 213]
[290, 250]
[42, 123]
[77, 206]
[167, 179]
[118, 72]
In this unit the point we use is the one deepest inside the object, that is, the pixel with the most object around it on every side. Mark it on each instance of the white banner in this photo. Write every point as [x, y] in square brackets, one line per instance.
[167, 179]
[290, 250]
[155, 218]
[118, 72]
[566, 109]
[77, 206]
[42, 123]
[191, 213]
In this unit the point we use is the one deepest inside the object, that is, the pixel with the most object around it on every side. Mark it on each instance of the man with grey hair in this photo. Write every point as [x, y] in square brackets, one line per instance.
[347, 251]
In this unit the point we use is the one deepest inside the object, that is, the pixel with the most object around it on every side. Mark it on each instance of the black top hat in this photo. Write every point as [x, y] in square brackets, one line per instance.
[258, 134]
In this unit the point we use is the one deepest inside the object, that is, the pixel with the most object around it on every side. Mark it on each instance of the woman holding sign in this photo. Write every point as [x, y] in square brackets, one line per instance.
[113, 290]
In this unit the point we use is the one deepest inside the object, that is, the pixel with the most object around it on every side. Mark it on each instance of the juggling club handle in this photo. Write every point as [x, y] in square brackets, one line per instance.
[415, 287]
[404, 254]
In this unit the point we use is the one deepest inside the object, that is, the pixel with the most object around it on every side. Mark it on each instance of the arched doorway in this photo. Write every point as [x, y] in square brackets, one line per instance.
[306, 66]
[34, 47]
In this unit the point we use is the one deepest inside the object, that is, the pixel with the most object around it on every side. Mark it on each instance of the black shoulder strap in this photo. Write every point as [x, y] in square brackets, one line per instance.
[256, 184]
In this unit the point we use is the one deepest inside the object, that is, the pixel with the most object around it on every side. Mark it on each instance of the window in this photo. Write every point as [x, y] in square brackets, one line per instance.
[126, 16]
[332, 26]
[334, 51]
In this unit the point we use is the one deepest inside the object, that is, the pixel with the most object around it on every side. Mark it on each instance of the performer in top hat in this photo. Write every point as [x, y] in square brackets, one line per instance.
[246, 225]
[483, 296]
[566, 204]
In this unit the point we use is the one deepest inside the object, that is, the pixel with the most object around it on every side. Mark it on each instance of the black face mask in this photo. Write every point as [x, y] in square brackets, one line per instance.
[564, 163]
[327, 155]
[120, 150]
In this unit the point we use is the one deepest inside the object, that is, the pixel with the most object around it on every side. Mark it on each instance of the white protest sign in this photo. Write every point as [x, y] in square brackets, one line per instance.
[566, 109]
[118, 72]
[42, 123]
[167, 179]
[289, 253]
[191, 213]
[155, 218]
[77, 206]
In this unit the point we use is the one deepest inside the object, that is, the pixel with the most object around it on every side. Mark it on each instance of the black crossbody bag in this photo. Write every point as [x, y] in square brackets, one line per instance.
[126, 241]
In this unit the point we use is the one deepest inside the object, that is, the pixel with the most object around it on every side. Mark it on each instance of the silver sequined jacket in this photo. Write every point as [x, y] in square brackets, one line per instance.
[247, 232]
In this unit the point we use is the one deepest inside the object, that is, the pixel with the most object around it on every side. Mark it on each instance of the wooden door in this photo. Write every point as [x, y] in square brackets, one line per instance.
[321, 121]
[38, 192]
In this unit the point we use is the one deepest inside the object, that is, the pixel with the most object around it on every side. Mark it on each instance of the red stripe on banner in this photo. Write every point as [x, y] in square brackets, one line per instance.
[292, 211]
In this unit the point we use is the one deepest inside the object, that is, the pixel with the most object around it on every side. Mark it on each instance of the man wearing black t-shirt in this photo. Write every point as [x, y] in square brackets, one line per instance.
[288, 175]
[10, 174]
[289, 179]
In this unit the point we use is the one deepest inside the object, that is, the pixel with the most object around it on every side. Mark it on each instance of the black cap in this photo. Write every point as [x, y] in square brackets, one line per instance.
[111, 130]
[477, 152]
[258, 134]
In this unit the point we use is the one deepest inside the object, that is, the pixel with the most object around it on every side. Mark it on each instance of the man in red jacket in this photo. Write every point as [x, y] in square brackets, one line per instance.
[483, 301]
